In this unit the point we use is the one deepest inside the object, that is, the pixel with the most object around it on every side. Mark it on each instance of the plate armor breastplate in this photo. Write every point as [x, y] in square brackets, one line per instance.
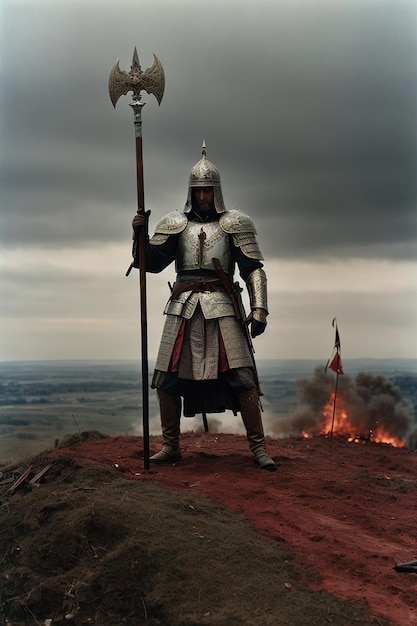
[199, 243]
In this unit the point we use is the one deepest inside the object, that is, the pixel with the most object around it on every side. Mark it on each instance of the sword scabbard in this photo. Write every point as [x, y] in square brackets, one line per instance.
[234, 291]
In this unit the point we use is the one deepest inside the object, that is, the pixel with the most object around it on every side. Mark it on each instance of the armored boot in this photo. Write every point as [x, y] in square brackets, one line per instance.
[251, 416]
[170, 408]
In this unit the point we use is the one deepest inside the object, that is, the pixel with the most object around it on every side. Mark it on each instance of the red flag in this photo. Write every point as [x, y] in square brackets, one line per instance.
[335, 362]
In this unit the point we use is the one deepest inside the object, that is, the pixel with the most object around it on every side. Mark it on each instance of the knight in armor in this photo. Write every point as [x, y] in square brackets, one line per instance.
[205, 355]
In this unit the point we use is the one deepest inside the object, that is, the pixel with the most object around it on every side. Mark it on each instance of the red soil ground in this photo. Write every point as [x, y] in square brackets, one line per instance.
[348, 509]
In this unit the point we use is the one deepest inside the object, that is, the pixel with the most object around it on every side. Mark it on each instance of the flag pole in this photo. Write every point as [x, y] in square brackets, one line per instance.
[334, 403]
[335, 364]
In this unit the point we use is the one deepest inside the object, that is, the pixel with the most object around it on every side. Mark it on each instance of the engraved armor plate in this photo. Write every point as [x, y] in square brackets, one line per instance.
[236, 221]
[235, 343]
[199, 243]
[213, 304]
[243, 230]
[169, 335]
[257, 288]
[170, 224]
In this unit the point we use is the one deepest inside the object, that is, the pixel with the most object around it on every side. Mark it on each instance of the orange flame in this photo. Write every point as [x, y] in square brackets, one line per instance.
[336, 421]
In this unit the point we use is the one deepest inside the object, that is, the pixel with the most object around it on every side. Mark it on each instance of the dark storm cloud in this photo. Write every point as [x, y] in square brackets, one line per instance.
[307, 110]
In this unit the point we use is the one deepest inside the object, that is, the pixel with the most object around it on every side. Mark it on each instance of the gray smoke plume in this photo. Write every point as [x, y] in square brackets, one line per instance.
[370, 402]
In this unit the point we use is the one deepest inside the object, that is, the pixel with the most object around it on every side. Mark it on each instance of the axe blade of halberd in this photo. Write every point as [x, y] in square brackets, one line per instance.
[151, 80]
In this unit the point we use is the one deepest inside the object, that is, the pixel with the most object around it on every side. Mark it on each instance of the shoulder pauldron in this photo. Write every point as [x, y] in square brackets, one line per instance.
[171, 224]
[243, 231]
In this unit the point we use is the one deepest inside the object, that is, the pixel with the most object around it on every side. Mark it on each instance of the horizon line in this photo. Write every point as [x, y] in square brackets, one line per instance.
[137, 360]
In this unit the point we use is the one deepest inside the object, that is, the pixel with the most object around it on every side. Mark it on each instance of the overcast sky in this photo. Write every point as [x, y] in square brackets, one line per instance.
[308, 109]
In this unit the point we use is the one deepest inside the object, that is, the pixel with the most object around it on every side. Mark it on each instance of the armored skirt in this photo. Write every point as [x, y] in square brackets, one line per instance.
[207, 361]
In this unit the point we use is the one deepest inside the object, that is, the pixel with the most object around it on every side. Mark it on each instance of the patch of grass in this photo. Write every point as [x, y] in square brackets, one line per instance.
[110, 551]
[85, 435]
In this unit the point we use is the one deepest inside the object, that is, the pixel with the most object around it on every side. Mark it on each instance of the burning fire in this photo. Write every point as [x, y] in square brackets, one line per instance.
[336, 421]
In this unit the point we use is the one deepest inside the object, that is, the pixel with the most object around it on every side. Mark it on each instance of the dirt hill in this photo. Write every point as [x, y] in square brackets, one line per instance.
[337, 516]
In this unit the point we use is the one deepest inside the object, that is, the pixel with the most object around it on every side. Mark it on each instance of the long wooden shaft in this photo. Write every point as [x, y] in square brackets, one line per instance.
[142, 241]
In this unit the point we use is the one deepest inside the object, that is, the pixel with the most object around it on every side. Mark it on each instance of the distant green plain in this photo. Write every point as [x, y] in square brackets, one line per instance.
[42, 402]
